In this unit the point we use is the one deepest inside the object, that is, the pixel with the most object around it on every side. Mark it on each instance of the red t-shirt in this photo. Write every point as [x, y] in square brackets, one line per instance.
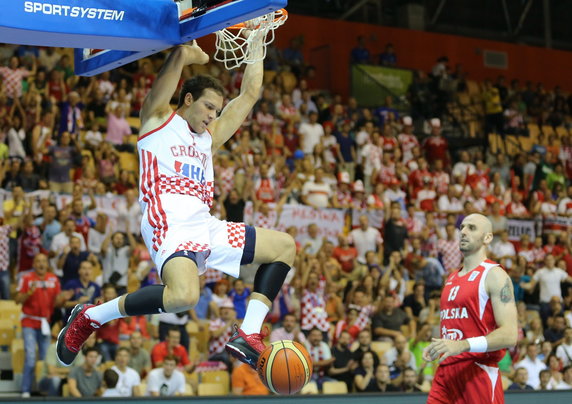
[345, 257]
[160, 351]
[109, 332]
[41, 302]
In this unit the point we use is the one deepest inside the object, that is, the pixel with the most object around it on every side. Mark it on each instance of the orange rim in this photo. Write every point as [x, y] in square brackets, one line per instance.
[281, 14]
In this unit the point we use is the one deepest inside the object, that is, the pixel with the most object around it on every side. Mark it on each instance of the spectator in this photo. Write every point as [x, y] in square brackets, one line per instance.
[49, 225]
[532, 364]
[220, 330]
[166, 380]
[388, 57]
[86, 380]
[140, 359]
[290, 330]
[409, 381]
[366, 238]
[62, 159]
[387, 322]
[72, 257]
[344, 365]
[108, 334]
[503, 251]
[566, 383]
[245, 381]
[311, 133]
[520, 380]
[436, 146]
[37, 292]
[110, 384]
[313, 303]
[550, 279]
[63, 240]
[13, 75]
[564, 350]
[53, 374]
[80, 290]
[97, 234]
[555, 333]
[14, 210]
[116, 259]
[321, 356]
[360, 54]
[129, 380]
[400, 346]
[171, 346]
[544, 377]
[316, 192]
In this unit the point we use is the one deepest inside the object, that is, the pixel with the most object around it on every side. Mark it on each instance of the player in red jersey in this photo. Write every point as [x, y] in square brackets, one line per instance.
[478, 321]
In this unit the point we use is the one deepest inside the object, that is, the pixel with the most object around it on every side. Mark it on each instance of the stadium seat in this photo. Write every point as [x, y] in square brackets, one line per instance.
[505, 382]
[66, 390]
[7, 332]
[533, 130]
[212, 389]
[17, 352]
[335, 388]
[561, 131]
[128, 161]
[310, 388]
[221, 377]
[143, 388]
[192, 328]
[473, 87]
[189, 390]
[547, 130]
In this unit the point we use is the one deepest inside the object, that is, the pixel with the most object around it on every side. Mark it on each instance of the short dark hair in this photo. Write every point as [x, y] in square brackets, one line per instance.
[197, 85]
[171, 358]
[121, 349]
[173, 328]
[90, 349]
[110, 377]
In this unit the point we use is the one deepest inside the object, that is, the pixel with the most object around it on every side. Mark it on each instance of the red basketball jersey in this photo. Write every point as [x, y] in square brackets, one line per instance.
[466, 312]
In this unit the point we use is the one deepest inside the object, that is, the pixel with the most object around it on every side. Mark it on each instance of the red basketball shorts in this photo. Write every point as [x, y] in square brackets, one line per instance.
[466, 382]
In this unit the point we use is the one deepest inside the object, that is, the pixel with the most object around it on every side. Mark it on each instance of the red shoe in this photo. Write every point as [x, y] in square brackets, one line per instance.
[246, 348]
[74, 334]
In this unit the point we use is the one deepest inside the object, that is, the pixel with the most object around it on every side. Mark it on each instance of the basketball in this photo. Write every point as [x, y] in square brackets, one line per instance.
[285, 367]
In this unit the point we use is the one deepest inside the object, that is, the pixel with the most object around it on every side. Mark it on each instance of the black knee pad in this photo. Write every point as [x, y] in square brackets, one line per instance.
[147, 300]
[269, 279]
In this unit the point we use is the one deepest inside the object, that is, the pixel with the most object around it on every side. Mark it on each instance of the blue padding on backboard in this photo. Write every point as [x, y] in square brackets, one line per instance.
[101, 24]
[192, 28]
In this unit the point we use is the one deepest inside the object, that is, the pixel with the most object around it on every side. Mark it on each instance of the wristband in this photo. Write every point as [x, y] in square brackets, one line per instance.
[477, 344]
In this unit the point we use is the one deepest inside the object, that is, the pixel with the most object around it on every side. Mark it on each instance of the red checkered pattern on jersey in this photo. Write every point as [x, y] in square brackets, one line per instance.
[263, 221]
[4, 250]
[13, 81]
[538, 254]
[516, 208]
[451, 254]
[408, 142]
[192, 246]
[386, 173]
[364, 317]
[212, 275]
[186, 186]
[344, 198]
[216, 345]
[314, 311]
[236, 234]
[441, 181]
[226, 176]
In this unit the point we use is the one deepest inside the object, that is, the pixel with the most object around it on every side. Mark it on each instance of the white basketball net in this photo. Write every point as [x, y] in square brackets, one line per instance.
[234, 48]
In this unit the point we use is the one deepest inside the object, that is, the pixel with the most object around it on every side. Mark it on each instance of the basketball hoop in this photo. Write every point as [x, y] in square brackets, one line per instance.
[234, 48]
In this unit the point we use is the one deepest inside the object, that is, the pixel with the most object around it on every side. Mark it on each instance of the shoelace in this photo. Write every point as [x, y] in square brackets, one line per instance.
[79, 331]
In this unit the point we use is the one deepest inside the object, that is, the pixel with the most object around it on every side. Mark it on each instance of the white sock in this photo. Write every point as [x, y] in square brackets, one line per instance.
[105, 312]
[255, 314]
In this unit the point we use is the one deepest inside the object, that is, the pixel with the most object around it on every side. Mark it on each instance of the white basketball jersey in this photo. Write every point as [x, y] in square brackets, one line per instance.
[176, 175]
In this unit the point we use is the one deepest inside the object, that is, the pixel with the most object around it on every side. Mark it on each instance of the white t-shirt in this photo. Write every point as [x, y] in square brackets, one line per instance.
[317, 194]
[311, 135]
[549, 280]
[95, 239]
[127, 380]
[365, 241]
[463, 169]
[564, 352]
[158, 383]
[533, 369]
[447, 204]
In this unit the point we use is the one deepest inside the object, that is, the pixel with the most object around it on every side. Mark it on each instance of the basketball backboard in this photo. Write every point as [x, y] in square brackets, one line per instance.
[121, 31]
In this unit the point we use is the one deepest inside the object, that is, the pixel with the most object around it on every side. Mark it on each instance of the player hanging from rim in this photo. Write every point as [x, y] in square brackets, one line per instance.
[478, 321]
[176, 191]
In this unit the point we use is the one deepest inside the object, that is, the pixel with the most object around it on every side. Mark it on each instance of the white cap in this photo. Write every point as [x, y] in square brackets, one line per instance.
[344, 177]
[436, 122]
[358, 186]
[407, 121]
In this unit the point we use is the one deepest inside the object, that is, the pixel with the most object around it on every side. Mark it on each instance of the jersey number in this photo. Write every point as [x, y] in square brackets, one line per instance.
[453, 293]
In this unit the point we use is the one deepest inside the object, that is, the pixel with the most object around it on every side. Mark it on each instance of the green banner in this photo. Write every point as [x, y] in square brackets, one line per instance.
[371, 84]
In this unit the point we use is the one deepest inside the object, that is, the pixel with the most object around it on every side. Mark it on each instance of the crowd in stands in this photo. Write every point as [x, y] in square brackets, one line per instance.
[365, 305]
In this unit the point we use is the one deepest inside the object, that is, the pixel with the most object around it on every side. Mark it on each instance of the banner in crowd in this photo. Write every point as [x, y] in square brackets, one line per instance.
[375, 217]
[330, 221]
[516, 228]
[556, 224]
[372, 83]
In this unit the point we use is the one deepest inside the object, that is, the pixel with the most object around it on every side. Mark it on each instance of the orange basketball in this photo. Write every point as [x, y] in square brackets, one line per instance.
[285, 367]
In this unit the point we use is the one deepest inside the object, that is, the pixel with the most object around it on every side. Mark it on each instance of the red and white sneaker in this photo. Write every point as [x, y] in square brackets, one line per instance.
[246, 347]
[74, 334]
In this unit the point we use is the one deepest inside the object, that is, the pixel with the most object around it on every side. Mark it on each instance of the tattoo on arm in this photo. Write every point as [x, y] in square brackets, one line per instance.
[506, 292]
